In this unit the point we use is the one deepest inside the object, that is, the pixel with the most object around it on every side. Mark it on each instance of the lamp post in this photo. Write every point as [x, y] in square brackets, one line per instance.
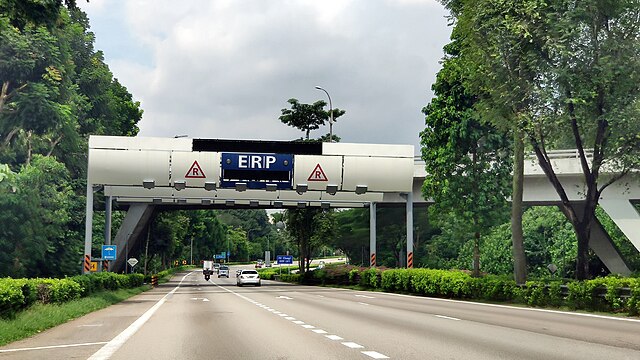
[330, 113]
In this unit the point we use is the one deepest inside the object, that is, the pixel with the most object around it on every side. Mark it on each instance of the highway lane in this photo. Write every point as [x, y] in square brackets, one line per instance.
[217, 320]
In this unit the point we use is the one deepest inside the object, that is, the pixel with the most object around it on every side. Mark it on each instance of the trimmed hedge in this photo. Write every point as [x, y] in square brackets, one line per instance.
[19, 294]
[600, 294]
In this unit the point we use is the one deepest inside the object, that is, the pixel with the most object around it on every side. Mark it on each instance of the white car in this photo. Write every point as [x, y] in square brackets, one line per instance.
[250, 277]
[223, 271]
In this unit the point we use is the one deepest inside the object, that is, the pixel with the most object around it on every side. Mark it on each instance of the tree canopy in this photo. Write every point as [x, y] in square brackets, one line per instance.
[566, 74]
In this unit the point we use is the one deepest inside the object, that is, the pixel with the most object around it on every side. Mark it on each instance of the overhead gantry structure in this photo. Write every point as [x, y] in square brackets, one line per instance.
[145, 174]
[149, 173]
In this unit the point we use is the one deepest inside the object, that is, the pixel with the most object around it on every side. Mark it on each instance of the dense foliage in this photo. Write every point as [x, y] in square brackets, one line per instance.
[19, 294]
[565, 74]
[55, 91]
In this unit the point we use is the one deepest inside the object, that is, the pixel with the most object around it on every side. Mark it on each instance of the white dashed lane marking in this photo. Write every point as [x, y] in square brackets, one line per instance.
[334, 337]
[366, 296]
[349, 344]
[375, 354]
[447, 317]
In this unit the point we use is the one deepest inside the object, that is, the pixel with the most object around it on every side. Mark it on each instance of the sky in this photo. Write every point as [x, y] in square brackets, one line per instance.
[224, 69]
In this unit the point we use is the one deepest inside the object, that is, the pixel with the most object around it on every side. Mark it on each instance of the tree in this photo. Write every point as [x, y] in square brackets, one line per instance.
[567, 73]
[307, 117]
[301, 224]
[465, 156]
[35, 208]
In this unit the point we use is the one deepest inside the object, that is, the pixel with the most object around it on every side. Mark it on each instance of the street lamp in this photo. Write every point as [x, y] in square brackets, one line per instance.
[330, 113]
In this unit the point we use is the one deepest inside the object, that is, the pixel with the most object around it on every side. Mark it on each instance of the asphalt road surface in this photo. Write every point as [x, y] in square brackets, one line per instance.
[189, 318]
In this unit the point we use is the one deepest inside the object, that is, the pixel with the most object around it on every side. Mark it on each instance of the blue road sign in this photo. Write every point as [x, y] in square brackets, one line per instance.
[220, 256]
[109, 252]
[257, 171]
[284, 259]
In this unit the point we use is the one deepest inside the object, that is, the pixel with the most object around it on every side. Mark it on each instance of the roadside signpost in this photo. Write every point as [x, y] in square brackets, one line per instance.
[132, 262]
[109, 252]
[284, 259]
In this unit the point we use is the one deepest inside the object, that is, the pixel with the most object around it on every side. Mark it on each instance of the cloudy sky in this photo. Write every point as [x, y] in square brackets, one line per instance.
[225, 68]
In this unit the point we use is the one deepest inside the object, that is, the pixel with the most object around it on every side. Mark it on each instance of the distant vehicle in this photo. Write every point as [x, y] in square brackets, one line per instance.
[223, 271]
[259, 263]
[207, 269]
[248, 277]
[216, 267]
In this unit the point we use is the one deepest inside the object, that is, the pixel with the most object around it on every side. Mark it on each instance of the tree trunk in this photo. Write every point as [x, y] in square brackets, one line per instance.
[10, 136]
[476, 255]
[582, 264]
[517, 237]
[146, 251]
[29, 147]
[301, 262]
[4, 94]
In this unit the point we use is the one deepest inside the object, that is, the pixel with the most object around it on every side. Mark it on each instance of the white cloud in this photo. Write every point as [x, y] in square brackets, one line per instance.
[224, 69]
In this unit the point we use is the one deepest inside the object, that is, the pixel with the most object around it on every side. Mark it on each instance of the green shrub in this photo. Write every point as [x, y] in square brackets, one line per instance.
[370, 277]
[63, 290]
[633, 303]
[11, 297]
[290, 277]
[354, 276]
[579, 295]
[388, 282]
[494, 288]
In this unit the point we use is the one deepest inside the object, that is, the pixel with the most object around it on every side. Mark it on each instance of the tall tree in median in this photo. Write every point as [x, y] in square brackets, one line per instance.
[567, 72]
[307, 117]
[309, 227]
[466, 159]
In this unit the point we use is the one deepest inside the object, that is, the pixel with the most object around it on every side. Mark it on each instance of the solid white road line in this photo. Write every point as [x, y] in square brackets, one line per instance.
[515, 307]
[52, 347]
[375, 354]
[112, 346]
[447, 317]
[352, 345]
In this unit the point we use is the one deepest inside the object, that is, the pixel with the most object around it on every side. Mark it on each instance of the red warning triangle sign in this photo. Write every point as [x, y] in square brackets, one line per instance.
[317, 174]
[195, 172]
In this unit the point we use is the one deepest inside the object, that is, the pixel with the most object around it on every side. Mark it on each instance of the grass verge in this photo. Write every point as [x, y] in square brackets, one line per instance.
[41, 317]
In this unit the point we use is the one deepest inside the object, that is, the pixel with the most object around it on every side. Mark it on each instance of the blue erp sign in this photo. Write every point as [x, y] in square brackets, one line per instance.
[109, 252]
[284, 259]
[257, 171]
